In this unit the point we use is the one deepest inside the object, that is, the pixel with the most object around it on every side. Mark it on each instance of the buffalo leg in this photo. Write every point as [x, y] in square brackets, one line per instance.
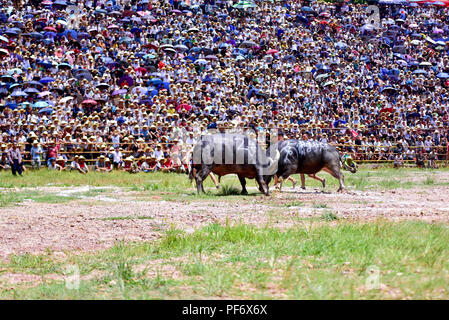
[200, 176]
[262, 185]
[290, 171]
[243, 183]
[323, 181]
[336, 173]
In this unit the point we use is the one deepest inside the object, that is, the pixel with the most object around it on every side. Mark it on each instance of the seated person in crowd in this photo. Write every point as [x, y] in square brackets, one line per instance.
[60, 164]
[168, 165]
[145, 166]
[81, 165]
[4, 162]
[154, 165]
[130, 166]
[52, 164]
[74, 162]
[102, 166]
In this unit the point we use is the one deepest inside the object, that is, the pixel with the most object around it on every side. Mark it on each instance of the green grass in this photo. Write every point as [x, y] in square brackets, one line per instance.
[177, 187]
[228, 190]
[329, 216]
[293, 204]
[365, 178]
[241, 261]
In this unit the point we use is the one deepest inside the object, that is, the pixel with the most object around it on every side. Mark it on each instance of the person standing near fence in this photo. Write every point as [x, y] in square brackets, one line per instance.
[15, 159]
[36, 152]
[52, 152]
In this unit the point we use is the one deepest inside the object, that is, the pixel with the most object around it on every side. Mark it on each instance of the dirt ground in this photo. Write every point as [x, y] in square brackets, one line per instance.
[99, 222]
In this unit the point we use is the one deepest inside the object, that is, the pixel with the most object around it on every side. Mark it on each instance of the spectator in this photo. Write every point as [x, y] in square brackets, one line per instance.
[81, 165]
[102, 166]
[61, 164]
[36, 152]
[15, 159]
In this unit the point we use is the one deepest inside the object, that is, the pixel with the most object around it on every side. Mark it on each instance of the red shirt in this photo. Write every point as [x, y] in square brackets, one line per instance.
[53, 151]
[168, 163]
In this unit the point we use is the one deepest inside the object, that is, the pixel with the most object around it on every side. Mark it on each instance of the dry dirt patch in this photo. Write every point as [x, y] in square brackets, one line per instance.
[35, 227]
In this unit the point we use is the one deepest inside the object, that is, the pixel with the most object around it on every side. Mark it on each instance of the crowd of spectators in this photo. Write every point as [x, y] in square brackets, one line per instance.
[131, 85]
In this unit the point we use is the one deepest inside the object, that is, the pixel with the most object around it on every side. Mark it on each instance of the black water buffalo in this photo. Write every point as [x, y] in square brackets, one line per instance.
[225, 154]
[310, 157]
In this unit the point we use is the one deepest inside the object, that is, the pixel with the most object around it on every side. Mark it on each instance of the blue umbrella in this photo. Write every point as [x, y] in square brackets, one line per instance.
[420, 71]
[19, 93]
[443, 75]
[60, 3]
[155, 81]
[71, 32]
[83, 74]
[36, 35]
[8, 78]
[119, 91]
[31, 90]
[15, 70]
[46, 80]
[102, 86]
[45, 64]
[83, 35]
[50, 34]
[201, 61]
[34, 83]
[125, 39]
[340, 45]
[107, 60]
[307, 9]
[14, 85]
[64, 65]
[11, 32]
[45, 110]
[40, 104]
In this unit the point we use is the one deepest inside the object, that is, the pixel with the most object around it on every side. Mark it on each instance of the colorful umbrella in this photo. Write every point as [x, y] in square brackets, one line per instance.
[89, 101]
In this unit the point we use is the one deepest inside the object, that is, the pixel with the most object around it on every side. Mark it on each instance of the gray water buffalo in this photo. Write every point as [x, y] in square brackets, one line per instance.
[225, 154]
[310, 157]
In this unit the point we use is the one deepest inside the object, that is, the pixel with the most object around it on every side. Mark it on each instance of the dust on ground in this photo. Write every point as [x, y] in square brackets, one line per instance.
[100, 221]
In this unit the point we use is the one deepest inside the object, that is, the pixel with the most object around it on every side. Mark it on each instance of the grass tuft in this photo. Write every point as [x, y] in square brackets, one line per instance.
[228, 190]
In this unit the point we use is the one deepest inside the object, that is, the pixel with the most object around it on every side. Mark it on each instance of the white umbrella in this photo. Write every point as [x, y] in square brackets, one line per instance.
[65, 99]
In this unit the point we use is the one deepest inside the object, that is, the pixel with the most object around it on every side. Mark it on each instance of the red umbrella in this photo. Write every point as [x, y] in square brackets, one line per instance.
[388, 110]
[324, 22]
[141, 69]
[151, 46]
[185, 106]
[50, 29]
[272, 51]
[89, 101]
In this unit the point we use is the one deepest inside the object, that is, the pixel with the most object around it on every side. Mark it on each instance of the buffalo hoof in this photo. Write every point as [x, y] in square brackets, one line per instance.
[244, 192]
